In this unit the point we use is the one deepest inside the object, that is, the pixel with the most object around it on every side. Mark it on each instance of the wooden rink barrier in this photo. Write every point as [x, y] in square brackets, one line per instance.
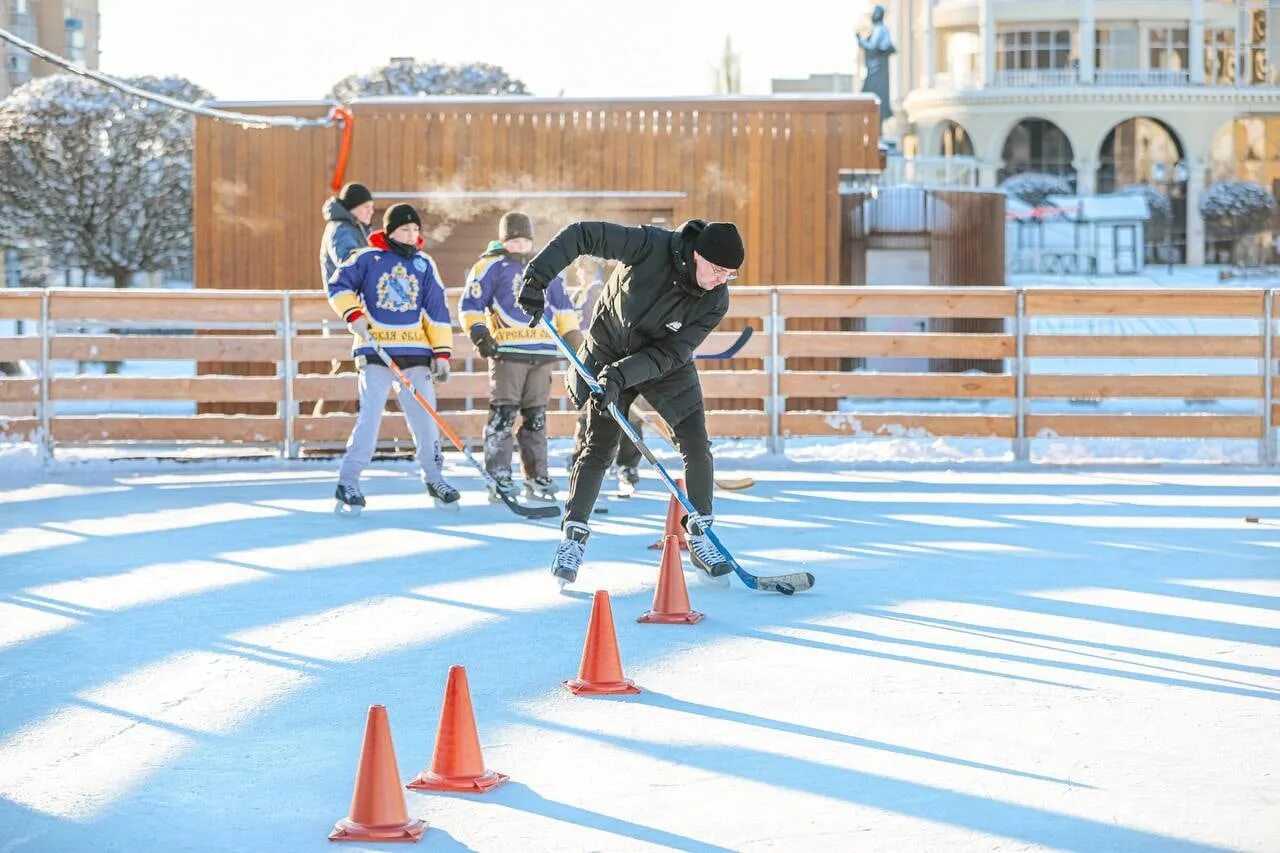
[280, 330]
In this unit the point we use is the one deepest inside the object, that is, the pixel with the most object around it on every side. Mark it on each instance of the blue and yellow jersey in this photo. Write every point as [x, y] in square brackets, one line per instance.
[402, 297]
[490, 298]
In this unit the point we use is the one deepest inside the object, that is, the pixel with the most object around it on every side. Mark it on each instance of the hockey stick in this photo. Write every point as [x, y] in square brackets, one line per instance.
[655, 422]
[785, 584]
[733, 349]
[518, 508]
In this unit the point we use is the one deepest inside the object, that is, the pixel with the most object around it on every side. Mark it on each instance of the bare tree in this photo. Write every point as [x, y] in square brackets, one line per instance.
[408, 77]
[727, 75]
[103, 177]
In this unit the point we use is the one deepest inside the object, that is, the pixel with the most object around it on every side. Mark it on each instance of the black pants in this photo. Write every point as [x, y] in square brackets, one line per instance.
[601, 443]
[628, 454]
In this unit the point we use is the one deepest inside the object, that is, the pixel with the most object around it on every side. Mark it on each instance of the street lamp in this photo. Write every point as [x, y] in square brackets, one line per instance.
[1160, 177]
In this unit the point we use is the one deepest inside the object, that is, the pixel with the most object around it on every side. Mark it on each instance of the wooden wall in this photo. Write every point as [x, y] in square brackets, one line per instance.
[771, 164]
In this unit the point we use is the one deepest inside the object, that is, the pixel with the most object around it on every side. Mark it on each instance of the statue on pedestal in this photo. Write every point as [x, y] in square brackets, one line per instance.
[876, 50]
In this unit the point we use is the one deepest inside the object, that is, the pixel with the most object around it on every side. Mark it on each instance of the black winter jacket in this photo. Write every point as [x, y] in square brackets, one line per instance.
[651, 316]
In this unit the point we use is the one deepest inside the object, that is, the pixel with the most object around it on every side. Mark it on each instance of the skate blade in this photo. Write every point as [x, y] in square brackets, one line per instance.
[711, 580]
[453, 507]
[339, 508]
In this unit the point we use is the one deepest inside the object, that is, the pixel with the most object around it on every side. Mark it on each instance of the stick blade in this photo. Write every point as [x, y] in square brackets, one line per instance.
[786, 584]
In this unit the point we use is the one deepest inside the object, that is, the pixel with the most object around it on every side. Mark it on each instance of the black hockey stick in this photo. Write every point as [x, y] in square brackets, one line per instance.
[513, 505]
[733, 349]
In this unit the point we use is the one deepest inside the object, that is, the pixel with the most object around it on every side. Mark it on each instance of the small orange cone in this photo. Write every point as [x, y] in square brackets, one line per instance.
[601, 669]
[456, 764]
[675, 512]
[671, 598]
[377, 804]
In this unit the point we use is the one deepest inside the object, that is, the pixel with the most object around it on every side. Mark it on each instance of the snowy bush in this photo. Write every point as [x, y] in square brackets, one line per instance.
[1034, 188]
[104, 178]
[1234, 209]
[416, 79]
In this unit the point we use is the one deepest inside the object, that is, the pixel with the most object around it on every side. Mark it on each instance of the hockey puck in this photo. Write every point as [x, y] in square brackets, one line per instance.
[601, 510]
[1251, 519]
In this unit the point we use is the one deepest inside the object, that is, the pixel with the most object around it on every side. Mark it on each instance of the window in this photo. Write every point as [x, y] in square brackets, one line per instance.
[1116, 49]
[1220, 56]
[1027, 50]
[75, 40]
[964, 52]
[1255, 70]
[1167, 49]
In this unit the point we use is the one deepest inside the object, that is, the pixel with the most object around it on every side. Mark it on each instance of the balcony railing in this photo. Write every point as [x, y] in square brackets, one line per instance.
[1038, 77]
[957, 171]
[1141, 77]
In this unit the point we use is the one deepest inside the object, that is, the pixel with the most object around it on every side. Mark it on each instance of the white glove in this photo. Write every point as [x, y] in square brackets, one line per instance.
[360, 326]
[440, 370]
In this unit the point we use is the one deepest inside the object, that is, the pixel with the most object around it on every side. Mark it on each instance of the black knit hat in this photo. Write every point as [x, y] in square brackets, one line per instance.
[354, 195]
[397, 215]
[721, 244]
[513, 225]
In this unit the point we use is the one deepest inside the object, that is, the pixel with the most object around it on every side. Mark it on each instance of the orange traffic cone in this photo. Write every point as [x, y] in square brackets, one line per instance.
[456, 764]
[671, 598]
[675, 512]
[377, 804]
[601, 669]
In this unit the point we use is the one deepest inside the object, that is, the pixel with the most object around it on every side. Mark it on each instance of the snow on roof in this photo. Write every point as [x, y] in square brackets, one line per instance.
[1101, 208]
[1115, 207]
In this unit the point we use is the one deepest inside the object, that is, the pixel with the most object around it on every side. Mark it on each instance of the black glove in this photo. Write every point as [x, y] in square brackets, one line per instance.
[532, 299]
[483, 339]
[610, 380]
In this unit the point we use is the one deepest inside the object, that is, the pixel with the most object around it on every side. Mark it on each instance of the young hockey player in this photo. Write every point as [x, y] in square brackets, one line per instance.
[520, 357]
[392, 292]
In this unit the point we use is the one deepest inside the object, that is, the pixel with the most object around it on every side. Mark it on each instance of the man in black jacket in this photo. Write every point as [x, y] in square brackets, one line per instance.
[669, 290]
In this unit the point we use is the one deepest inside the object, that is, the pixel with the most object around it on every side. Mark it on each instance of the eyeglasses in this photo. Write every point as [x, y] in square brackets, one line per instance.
[729, 275]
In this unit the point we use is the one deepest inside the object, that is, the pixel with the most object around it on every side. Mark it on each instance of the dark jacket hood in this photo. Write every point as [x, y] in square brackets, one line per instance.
[682, 240]
[333, 211]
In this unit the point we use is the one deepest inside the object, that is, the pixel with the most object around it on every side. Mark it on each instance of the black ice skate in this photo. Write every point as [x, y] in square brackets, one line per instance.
[568, 557]
[444, 495]
[348, 500]
[540, 489]
[502, 485]
[703, 553]
[628, 478]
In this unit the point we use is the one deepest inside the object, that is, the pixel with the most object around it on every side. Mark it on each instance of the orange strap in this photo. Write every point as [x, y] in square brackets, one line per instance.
[343, 117]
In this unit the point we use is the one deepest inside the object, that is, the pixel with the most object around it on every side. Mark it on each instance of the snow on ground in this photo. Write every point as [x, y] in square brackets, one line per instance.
[994, 657]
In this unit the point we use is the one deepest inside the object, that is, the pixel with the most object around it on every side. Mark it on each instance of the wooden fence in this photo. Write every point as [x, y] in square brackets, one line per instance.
[284, 329]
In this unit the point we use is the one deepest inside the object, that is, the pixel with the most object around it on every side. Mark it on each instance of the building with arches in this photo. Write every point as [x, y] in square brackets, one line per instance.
[1172, 93]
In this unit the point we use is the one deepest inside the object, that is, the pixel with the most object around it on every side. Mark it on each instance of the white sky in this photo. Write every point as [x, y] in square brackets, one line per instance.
[286, 49]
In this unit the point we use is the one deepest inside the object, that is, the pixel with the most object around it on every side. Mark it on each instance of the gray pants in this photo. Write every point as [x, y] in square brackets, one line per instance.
[375, 382]
[517, 387]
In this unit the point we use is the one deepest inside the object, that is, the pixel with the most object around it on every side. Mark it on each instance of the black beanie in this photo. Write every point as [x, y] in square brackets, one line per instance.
[513, 225]
[397, 215]
[354, 195]
[721, 244]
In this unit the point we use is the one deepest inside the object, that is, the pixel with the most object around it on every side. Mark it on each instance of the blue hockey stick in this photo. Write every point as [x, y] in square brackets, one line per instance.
[733, 349]
[785, 584]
